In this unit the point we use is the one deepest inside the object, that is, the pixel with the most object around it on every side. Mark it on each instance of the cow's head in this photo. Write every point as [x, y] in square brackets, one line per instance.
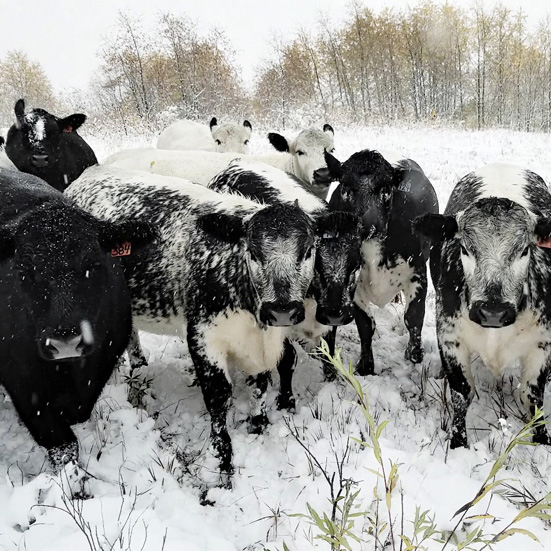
[367, 186]
[338, 261]
[230, 137]
[34, 141]
[280, 247]
[63, 259]
[495, 239]
[308, 150]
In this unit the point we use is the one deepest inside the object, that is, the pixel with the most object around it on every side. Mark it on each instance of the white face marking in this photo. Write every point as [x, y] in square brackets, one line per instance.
[308, 150]
[495, 252]
[231, 137]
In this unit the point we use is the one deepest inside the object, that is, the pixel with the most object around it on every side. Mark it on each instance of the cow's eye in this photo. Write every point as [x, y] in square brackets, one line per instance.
[246, 142]
[218, 142]
[525, 252]
[332, 150]
[464, 250]
[300, 152]
[309, 252]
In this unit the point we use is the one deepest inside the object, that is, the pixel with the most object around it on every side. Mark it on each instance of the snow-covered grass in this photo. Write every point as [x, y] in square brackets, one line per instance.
[143, 464]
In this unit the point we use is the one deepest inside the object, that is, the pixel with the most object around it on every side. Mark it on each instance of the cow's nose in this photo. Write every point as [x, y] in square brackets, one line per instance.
[62, 348]
[492, 315]
[322, 175]
[40, 161]
[281, 315]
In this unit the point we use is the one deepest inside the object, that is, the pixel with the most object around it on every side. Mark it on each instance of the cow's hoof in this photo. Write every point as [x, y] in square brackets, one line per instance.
[458, 440]
[365, 366]
[542, 437]
[415, 353]
[329, 373]
[257, 423]
[286, 402]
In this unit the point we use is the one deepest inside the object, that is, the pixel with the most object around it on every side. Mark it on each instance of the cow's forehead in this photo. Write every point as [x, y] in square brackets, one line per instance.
[312, 137]
[495, 213]
[230, 130]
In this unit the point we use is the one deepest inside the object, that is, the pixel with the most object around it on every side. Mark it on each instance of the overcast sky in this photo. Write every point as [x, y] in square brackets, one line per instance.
[65, 35]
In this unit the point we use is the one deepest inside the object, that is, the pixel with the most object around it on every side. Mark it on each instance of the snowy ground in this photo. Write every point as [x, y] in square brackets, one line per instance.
[146, 499]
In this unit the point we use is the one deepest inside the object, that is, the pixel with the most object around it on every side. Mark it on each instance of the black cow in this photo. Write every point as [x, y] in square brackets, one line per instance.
[387, 198]
[65, 308]
[48, 147]
[330, 298]
[491, 268]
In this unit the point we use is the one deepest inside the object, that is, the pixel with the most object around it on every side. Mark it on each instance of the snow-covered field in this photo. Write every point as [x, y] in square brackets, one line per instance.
[143, 464]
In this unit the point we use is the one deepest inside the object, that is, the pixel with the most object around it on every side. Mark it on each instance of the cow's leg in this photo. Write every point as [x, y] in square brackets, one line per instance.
[328, 368]
[285, 368]
[455, 362]
[217, 392]
[136, 356]
[366, 327]
[535, 372]
[258, 386]
[416, 294]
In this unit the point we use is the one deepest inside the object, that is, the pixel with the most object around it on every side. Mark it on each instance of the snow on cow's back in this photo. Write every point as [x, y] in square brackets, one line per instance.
[513, 182]
[287, 186]
[119, 178]
[196, 166]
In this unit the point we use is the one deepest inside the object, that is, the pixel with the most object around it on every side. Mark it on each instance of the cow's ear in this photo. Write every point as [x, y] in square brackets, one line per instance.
[213, 122]
[226, 227]
[7, 244]
[436, 227]
[328, 128]
[137, 234]
[19, 111]
[543, 232]
[334, 165]
[72, 122]
[279, 142]
[248, 125]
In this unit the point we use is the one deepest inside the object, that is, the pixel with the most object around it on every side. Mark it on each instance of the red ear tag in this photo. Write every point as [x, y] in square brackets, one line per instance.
[68, 129]
[122, 250]
[545, 243]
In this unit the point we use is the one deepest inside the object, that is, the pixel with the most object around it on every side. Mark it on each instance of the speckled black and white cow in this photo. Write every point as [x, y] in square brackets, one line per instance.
[491, 268]
[330, 298]
[230, 273]
[387, 198]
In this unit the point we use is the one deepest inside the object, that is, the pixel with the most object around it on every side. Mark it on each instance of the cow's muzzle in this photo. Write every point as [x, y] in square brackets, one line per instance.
[492, 314]
[322, 177]
[281, 315]
[40, 161]
[63, 347]
[327, 316]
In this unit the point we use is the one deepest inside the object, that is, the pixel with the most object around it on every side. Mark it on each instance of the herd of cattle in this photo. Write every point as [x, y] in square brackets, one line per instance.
[243, 255]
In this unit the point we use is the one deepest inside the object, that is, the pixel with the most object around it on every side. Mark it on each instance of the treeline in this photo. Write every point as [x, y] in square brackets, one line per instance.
[474, 66]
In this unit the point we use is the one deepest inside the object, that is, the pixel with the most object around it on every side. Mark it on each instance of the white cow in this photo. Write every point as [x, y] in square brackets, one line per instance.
[304, 158]
[4, 159]
[186, 135]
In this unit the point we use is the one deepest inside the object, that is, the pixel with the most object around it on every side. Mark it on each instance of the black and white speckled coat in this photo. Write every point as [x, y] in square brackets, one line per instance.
[491, 268]
[330, 297]
[388, 197]
[230, 273]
